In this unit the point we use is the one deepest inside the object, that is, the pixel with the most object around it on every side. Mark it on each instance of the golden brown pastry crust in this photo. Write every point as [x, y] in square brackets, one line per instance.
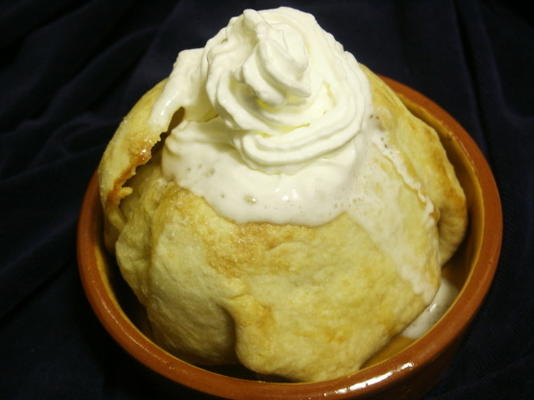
[130, 147]
[426, 159]
[306, 303]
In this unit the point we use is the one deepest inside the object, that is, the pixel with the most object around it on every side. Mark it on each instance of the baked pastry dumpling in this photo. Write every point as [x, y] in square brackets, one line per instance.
[306, 301]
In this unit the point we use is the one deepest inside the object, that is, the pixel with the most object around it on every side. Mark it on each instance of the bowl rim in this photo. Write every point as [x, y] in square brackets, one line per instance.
[366, 381]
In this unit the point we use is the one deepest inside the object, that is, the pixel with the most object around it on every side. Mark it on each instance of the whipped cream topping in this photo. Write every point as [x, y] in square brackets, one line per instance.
[276, 120]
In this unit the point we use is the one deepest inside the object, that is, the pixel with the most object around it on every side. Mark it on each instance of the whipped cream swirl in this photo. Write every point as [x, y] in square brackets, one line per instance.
[274, 97]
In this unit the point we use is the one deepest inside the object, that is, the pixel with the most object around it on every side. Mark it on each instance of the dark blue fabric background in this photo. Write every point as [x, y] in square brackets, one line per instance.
[70, 70]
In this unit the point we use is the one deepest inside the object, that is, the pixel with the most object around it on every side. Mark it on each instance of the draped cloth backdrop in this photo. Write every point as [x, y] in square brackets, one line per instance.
[69, 70]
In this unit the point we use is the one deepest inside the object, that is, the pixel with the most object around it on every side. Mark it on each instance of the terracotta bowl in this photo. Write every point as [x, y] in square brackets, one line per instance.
[403, 370]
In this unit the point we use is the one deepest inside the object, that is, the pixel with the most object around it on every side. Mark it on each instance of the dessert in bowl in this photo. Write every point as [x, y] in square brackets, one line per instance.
[275, 205]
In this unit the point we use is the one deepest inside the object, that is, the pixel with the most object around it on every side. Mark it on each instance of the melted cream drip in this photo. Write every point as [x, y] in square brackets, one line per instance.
[432, 313]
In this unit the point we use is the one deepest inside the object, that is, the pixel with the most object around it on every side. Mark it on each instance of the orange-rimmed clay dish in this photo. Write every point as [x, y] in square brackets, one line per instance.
[404, 370]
